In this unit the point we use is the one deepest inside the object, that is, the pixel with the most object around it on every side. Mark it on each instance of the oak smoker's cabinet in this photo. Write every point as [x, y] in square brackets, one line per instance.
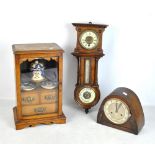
[38, 69]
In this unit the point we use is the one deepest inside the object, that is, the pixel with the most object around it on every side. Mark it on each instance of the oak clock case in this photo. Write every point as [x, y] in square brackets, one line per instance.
[88, 51]
[38, 84]
[122, 110]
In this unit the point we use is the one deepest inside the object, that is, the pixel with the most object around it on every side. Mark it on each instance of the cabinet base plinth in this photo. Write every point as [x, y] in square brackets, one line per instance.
[21, 124]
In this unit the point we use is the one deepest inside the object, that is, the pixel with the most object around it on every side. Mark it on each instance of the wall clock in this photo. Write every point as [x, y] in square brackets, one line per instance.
[88, 51]
[122, 110]
[38, 84]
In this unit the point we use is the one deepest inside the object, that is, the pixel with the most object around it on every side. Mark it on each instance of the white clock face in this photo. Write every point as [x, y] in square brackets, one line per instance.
[89, 39]
[116, 111]
[87, 95]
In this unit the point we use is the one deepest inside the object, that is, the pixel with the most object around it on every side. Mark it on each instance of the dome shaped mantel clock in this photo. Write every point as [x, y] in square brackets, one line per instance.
[122, 110]
[88, 51]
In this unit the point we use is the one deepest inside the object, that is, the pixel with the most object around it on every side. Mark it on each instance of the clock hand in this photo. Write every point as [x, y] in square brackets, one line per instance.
[116, 107]
[119, 106]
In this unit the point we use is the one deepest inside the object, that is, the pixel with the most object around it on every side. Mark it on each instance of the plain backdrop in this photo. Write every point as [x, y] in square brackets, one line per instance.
[128, 42]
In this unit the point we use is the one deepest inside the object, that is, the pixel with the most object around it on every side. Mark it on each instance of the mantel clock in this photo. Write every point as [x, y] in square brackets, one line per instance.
[88, 51]
[122, 110]
[38, 70]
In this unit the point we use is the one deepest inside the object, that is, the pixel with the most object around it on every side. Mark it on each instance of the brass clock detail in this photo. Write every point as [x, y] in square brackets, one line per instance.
[122, 110]
[88, 51]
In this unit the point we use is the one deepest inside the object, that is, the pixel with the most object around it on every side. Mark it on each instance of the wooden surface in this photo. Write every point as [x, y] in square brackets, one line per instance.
[135, 122]
[40, 101]
[38, 47]
[21, 124]
[90, 25]
[39, 109]
[39, 96]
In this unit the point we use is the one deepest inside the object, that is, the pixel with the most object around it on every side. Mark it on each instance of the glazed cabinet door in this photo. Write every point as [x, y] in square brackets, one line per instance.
[39, 86]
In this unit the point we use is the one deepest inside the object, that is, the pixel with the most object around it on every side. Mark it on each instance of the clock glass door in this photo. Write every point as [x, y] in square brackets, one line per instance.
[39, 86]
[87, 70]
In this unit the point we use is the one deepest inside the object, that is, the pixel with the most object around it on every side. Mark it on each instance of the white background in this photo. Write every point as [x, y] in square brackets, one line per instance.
[128, 43]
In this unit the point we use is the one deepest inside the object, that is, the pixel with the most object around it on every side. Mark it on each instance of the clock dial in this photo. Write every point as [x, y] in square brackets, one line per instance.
[89, 39]
[87, 95]
[116, 111]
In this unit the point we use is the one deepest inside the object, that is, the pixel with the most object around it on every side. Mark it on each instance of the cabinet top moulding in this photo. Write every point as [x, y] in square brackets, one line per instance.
[90, 25]
[36, 47]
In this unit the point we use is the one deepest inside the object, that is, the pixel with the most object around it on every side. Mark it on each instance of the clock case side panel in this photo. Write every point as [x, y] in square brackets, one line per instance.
[93, 68]
[23, 123]
[17, 81]
[135, 122]
[93, 82]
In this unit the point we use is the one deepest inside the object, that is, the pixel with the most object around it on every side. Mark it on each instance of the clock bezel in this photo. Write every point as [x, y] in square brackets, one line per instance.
[85, 31]
[86, 105]
[85, 89]
[112, 120]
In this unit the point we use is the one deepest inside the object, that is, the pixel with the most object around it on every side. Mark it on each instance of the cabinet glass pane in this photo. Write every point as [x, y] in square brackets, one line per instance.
[39, 86]
[87, 70]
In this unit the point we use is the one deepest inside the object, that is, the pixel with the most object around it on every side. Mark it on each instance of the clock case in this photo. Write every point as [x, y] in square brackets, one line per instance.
[93, 55]
[135, 122]
[98, 29]
[25, 115]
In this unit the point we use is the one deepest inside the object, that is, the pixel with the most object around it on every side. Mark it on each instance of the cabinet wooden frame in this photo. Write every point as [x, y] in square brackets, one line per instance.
[27, 54]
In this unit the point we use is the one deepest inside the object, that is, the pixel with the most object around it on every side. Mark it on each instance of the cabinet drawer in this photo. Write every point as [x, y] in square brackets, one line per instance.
[47, 97]
[29, 98]
[39, 109]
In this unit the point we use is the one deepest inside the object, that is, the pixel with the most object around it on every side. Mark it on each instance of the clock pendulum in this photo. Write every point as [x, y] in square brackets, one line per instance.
[88, 51]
